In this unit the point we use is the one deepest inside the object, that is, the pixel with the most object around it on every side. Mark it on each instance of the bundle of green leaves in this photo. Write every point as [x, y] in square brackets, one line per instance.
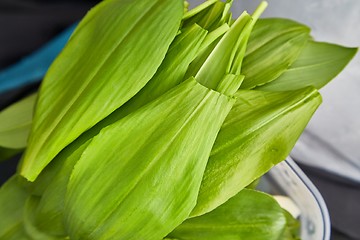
[154, 119]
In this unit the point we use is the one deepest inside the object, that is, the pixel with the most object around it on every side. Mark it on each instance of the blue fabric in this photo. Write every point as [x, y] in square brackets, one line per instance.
[33, 67]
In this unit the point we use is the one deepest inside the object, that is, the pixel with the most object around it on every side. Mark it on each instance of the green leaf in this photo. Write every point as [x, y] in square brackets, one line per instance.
[170, 73]
[15, 123]
[260, 131]
[102, 66]
[273, 46]
[209, 15]
[249, 215]
[222, 56]
[145, 170]
[6, 153]
[292, 229]
[30, 229]
[317, 65]
[196, 11]
[226, 54]
[47, 216]
[12, 201]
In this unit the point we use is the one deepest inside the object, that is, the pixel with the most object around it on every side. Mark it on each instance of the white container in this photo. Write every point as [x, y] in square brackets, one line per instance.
[288, 179]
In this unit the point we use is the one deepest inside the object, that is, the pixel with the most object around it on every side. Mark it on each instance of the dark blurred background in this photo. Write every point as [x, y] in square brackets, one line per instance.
[26, 25]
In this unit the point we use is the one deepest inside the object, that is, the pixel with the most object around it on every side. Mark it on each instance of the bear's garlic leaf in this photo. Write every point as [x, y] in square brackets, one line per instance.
[260, 131]
[111, 55]
[12, 201]
[250, 215]
[273, 46]
[145, 170]
[317, 64]
[15, 123]
[47, 217]
[28, 218]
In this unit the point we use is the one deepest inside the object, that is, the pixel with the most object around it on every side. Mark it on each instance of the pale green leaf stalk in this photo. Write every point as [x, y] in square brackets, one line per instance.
[249, 215]
[51, 184]
[88, 81]
[198, 9]
[226, 54]
[15, 123]
[150, 169]
[258, 133]
[317, 64]
[12, 200]
[274, 45]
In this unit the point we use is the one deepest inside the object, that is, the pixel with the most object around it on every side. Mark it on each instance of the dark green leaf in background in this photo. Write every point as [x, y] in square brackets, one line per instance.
[250, 215]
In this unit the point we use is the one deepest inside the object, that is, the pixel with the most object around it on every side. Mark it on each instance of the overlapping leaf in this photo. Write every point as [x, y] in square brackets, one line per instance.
[12, 200]
[15, 123]
[249, 215]
[274, 45]
[259, 132]
[88, 81]
[317, 65]
[47, 213]
[209, 15]
[145, 170]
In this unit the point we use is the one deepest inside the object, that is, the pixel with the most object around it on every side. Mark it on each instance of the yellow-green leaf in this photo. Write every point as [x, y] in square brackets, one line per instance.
[317, 64]
[139, 177]
[249, 215]
[15, 123]
[112, 54]
[12, 200]
[260, 131]
[273, 46]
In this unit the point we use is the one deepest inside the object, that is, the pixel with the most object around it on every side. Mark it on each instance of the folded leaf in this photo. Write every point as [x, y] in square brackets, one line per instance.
[112, 54]
[15, 123]
[273, 46]
[12, 201]
[260, 131]
[249, 215]
[317, 65]
[139, 178]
